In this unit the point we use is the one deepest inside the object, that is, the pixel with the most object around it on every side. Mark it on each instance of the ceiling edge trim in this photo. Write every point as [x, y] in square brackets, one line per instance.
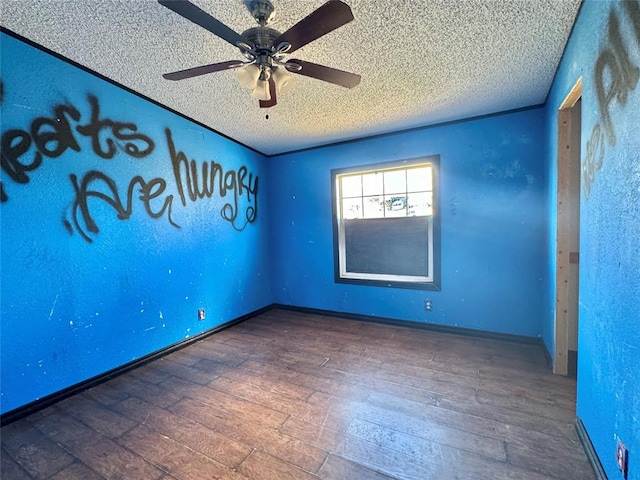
[119, 85]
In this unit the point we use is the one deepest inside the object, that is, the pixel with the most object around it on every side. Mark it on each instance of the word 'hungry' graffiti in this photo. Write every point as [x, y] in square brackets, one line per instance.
[23, 152]
[615, 78]
[238, 182]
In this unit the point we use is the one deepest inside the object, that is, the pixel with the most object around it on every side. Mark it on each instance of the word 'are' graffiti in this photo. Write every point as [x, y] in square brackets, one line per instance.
[615, 77]
[52, 137]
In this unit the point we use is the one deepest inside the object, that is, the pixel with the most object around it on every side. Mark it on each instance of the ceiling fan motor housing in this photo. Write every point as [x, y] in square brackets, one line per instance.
[261, 37]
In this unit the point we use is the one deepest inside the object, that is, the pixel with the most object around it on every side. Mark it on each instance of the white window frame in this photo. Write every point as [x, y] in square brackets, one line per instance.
[431, 279]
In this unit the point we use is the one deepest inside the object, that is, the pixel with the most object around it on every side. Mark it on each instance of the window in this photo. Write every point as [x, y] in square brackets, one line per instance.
[386, 224]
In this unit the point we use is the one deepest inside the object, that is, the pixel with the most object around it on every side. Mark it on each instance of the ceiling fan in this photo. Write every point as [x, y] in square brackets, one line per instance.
[265, 69]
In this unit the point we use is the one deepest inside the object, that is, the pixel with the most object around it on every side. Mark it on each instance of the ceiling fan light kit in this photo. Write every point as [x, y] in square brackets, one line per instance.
[265, 69]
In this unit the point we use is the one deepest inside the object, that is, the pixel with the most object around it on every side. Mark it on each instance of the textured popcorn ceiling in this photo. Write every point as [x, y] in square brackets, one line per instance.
[422, 61]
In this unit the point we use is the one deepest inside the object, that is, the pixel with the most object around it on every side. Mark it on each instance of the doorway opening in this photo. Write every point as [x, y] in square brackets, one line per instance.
[568, 233]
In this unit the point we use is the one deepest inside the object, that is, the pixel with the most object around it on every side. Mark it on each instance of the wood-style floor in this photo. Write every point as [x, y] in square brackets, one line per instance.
[288, 395]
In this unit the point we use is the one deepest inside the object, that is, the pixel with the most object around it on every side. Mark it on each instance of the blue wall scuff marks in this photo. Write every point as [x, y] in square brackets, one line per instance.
[493, 194]
[119, 221]
[604, 50]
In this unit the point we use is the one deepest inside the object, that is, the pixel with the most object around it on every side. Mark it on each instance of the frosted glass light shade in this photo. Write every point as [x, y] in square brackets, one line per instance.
[248, 76]
[261, 92]
[284, 81]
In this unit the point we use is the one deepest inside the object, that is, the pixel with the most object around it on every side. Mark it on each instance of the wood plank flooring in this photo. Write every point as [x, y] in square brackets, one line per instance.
[294, 396]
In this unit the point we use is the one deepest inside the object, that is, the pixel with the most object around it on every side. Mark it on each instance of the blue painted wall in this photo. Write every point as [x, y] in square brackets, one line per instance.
[493, 198]
[75, 302]
[605, 50]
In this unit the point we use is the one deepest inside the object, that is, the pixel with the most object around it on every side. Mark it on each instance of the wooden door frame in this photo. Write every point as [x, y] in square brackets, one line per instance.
[568, 142]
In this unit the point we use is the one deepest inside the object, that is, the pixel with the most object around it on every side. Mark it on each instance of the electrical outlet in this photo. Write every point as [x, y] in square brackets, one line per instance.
[622, 458]
[201, 314]
[428, 305]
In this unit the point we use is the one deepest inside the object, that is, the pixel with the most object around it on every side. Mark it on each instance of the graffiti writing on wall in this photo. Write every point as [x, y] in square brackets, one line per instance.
[616, 77]
[237, 182]
[24, 151]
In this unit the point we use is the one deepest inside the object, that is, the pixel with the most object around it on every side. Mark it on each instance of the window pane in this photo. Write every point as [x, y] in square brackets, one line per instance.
[395, 205]
[398, 246]
[373, 207]
[352, 208]
[419, 179]
[420, 204]
[372, 184]
[351, 186]
[395, 182]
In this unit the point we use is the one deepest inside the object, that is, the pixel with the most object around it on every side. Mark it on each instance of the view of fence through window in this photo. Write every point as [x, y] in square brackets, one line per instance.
[394, 192]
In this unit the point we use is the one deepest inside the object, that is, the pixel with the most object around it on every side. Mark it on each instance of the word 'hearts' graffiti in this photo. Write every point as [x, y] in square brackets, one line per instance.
[23, 152]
